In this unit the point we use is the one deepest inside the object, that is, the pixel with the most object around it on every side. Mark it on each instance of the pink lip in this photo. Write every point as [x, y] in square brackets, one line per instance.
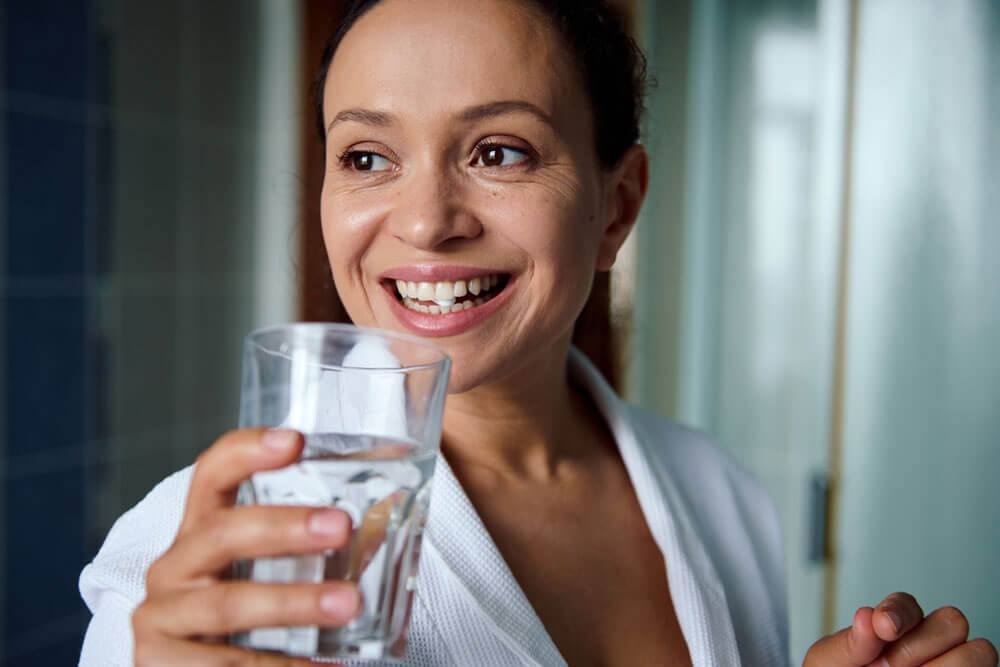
[450, 324]
[435, 273]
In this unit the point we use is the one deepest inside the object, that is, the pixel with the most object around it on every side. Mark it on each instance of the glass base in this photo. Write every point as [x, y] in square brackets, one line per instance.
[327, 650]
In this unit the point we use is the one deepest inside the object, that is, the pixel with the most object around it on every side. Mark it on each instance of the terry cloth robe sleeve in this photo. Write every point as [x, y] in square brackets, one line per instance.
[115, 582]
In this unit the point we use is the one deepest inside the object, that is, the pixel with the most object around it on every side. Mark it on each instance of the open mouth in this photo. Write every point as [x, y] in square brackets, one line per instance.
[443, 297]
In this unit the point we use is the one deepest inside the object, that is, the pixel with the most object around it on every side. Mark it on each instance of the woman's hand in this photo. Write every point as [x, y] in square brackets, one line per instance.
[190, 607]
[897, 634]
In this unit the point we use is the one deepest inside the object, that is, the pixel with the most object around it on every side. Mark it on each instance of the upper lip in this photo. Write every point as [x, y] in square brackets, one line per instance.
[436, 273]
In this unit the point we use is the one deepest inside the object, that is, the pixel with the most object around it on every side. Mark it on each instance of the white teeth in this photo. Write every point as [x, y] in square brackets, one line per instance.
[425, 292]
[442, 309]
[444, 291]
[444, 295]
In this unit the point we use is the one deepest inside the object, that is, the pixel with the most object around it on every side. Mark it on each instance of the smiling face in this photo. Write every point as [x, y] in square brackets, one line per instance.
[460, 159]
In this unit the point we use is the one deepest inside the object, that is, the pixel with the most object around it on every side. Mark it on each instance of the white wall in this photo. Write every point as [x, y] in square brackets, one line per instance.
[922, 400]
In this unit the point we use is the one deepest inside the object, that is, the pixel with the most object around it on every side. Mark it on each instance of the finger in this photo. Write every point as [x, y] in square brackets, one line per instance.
[240, 606]
[854, 646]
[896, 615]
[232, 459]
[940, 632]
[977, 653]
[183, 652]
[252, 531]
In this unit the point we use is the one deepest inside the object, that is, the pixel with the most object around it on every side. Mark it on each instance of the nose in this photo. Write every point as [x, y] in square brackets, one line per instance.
[431, 212]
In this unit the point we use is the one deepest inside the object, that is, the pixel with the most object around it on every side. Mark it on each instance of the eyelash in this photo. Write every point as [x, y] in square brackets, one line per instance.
[347, 157]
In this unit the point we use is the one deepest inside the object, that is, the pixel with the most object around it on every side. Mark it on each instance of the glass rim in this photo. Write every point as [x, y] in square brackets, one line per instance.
[253, 338]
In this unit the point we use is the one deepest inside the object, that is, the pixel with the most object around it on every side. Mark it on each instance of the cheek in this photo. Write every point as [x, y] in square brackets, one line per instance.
[561, 237]
[349, 231]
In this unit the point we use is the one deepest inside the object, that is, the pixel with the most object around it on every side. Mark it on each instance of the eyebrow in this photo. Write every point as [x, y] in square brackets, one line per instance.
[471, 114]
[492, 109]
[365, 116]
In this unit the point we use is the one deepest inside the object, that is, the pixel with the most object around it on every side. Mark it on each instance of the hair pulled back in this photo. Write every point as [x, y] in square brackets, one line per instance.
[612, 66]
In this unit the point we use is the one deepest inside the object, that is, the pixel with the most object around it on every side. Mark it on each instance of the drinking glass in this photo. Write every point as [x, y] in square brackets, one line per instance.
[369, 404]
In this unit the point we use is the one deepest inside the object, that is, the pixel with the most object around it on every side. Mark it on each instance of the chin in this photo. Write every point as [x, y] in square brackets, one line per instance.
[464, 376]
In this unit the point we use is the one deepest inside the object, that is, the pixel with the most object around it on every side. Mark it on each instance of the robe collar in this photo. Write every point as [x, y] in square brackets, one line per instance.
[460, 554]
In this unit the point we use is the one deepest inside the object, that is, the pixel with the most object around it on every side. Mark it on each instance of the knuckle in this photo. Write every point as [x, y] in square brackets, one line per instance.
[204, 461]
[203, 464]
[847, 649]
[157, 576]
[218, 530]
[955, 622]
[905, 653]
[153, 577]
[139, 621]
[228, 605]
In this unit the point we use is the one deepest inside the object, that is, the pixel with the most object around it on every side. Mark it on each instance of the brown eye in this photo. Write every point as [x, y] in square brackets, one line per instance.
[493, 156]
[365, 161]
[500, 156]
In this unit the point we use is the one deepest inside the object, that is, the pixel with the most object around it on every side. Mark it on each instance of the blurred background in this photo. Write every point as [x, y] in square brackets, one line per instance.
[814, 281]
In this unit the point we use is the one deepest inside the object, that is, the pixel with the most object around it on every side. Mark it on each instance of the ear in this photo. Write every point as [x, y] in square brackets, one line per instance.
[625, 190]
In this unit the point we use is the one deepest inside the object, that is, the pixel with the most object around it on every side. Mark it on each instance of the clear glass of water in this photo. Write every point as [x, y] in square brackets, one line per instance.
[370, 405]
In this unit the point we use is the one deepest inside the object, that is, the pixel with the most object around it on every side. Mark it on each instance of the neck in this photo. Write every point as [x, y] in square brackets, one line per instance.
[523, 425]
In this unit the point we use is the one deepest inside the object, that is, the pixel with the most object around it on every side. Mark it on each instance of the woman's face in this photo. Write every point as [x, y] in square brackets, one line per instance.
[460, 154]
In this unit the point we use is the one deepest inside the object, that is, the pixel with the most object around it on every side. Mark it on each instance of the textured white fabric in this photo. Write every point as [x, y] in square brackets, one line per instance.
[713, 522]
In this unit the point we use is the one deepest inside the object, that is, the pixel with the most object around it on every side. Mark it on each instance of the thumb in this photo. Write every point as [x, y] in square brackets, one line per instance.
[851, 647]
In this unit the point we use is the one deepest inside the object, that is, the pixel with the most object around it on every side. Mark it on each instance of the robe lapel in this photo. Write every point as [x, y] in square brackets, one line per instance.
[471, 593]
[695, 587]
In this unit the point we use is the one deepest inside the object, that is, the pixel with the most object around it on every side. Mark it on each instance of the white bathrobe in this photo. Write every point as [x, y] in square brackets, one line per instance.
[713, 522]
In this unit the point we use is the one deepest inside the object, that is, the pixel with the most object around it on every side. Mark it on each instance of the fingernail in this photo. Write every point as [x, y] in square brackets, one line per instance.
[328, 522]
[897, 622]
[279, 438]
[340, 602]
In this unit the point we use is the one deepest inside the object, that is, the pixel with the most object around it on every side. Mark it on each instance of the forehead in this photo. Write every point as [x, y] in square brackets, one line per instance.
[427, 57]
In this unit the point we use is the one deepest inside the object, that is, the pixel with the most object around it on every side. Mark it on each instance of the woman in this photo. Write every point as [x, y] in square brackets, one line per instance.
[492, 142]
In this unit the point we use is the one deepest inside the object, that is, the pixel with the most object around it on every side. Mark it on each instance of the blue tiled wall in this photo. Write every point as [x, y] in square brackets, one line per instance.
[50, 131]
